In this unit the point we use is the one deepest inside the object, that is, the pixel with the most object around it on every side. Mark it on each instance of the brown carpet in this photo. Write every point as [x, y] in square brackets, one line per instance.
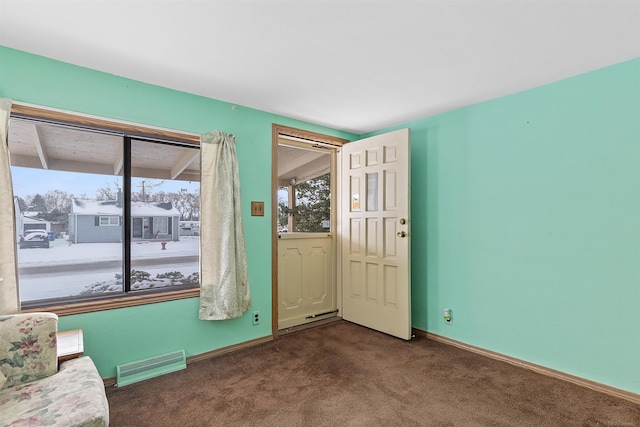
[341, 374]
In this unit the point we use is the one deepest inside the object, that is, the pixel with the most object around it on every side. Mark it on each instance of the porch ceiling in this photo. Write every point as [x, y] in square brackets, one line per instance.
[301, 164]
[44, 146]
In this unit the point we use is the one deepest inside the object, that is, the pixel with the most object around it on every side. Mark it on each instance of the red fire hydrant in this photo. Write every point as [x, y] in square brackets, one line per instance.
[164, 244]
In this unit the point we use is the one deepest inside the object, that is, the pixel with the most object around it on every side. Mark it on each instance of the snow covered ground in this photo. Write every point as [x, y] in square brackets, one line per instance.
[75, 281]
[61, 252]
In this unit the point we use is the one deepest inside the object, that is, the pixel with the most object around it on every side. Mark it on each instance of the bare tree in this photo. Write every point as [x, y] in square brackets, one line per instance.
[188, 204]
[146, 188]
[159, 197]
[194, 200]
[58, 201]
[107, 193]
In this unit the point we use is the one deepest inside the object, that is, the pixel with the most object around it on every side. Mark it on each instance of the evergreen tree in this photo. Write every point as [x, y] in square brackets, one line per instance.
[313, 204]
[283, 215]
[22, 204]
[38, 204]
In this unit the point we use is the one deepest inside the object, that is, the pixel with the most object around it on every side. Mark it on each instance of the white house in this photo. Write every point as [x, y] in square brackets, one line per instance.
[27, 221]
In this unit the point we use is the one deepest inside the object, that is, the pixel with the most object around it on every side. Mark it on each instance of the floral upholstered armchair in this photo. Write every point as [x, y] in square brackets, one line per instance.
[33, 392]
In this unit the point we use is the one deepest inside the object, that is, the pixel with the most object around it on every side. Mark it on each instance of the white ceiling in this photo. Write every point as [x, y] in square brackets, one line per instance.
[353, 65]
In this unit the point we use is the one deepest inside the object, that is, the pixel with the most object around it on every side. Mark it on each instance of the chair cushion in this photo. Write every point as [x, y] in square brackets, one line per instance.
[27, 347]
[73, 397]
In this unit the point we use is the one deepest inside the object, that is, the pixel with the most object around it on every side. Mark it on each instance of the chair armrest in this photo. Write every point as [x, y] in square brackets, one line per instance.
[27, 347]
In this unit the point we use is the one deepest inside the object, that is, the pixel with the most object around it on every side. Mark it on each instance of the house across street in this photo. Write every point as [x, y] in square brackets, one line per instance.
[92, 221]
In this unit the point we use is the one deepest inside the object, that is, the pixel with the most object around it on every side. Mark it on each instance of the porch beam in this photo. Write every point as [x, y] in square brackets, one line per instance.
[291, 220]
[42, 154]
[119, 160]
[184, 161]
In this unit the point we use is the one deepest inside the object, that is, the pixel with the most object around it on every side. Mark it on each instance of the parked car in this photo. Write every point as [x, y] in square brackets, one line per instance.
[35, 239]
[189, 231]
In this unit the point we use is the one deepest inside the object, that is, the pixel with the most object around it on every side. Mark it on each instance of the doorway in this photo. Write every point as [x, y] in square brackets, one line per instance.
[304, 246]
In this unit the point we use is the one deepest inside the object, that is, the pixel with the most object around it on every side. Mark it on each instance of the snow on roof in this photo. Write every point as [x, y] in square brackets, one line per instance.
[31, 220]
[111, 207]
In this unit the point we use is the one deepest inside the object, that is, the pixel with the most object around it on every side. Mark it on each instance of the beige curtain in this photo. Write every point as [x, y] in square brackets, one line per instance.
[224, 280]
[9, 301]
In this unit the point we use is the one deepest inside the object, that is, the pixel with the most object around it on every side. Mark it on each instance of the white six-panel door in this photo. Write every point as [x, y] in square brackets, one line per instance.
[374, 230]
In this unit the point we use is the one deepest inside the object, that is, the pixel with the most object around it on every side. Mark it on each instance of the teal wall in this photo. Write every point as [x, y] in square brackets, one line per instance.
[525, 218]
[526, 224]
[123, 335]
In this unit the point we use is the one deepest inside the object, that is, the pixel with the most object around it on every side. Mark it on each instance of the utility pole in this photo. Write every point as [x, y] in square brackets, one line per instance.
[144, 196]
[144, 186]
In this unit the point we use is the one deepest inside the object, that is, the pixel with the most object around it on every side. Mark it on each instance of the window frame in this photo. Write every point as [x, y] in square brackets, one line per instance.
[127, 130]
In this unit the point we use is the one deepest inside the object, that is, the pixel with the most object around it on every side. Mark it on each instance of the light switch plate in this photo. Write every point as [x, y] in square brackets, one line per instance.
[257, 208]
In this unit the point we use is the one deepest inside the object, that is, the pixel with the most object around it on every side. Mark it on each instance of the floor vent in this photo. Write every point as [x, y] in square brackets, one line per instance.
[140, 370]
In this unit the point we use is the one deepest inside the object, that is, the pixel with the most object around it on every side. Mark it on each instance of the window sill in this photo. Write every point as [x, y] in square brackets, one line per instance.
[123, 301]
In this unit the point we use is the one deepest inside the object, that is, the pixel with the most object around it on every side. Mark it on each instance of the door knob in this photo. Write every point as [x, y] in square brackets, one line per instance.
[402, 234]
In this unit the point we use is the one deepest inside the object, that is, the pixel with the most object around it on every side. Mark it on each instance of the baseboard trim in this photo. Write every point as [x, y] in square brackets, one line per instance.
[111, 381]
[602, 388]
[228, 349]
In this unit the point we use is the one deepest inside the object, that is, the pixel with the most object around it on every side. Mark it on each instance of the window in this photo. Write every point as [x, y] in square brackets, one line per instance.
[109, 220]
[112, 204]
[161, 225]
